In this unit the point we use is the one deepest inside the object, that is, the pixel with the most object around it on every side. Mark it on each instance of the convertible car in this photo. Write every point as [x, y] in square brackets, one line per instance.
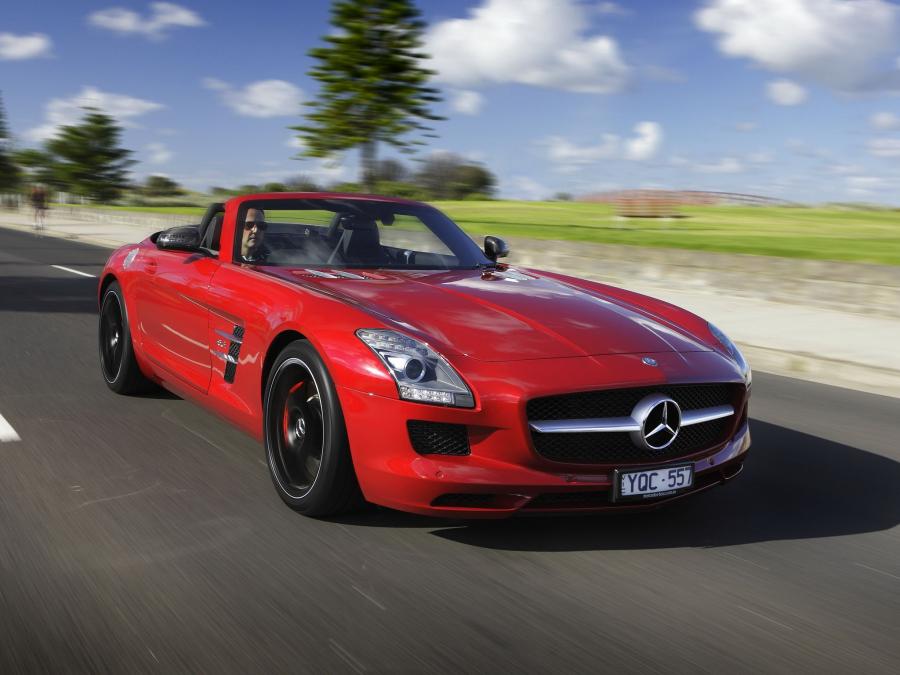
[380, 355]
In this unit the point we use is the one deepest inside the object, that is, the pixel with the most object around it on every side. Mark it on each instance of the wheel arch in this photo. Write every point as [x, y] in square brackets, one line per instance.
[279, 342]
[107, 279]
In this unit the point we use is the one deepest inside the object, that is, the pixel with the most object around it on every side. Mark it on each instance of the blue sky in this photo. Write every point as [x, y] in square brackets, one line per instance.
[787, 98]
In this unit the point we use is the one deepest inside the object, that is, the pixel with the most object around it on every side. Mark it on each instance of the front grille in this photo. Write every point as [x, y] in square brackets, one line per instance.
[620, 402]
[610, 448]
[438, 438]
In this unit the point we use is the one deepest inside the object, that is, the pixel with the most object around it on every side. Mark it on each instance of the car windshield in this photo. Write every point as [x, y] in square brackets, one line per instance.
[339, 233]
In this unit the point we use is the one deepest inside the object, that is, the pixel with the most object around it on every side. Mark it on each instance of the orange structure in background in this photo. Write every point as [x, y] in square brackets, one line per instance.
[667, 203]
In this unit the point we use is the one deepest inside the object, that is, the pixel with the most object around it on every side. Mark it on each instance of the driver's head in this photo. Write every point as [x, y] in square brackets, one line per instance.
[254, 232]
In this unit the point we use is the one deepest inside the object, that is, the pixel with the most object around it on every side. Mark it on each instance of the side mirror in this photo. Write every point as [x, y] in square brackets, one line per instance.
[495, 247]
[181, 238]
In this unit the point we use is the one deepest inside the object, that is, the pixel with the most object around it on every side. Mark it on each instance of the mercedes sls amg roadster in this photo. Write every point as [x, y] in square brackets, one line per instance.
[380, 355]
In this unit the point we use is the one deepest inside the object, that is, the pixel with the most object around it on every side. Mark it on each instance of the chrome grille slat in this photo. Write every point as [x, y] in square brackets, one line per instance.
[597, 427]
[613, 424]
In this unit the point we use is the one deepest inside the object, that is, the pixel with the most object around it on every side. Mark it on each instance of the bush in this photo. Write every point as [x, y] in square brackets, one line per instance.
[401, 190]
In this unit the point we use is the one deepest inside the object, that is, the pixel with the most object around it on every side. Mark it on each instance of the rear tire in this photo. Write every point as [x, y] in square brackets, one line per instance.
[117, 361]
[306, 444]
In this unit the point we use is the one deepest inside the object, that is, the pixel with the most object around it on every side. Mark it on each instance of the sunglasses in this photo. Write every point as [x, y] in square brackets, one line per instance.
[260, 225]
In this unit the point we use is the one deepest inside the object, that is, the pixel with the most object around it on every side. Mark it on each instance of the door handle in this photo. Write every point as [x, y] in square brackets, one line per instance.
[150, 267]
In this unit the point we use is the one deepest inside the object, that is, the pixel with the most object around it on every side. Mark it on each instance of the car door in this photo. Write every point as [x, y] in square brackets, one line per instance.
[174, 314]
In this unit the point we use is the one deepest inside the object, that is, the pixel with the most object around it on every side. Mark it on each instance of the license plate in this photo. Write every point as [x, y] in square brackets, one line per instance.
[652, 483]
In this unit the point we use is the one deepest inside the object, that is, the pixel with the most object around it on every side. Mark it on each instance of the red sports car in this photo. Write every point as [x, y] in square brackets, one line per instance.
[380, 355]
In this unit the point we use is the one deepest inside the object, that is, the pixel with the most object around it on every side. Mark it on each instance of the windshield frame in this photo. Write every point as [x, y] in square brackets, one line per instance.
[467, 252]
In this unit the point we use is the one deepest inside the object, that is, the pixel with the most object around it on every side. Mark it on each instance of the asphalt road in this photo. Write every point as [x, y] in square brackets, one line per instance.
[143, 534]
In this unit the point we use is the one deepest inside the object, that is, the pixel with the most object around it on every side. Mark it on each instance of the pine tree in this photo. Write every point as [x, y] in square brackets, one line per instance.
[373, 86]
[9, 173]
[88, 160]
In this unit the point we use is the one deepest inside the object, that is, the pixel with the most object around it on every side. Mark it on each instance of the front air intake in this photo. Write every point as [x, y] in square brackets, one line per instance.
[438, 438]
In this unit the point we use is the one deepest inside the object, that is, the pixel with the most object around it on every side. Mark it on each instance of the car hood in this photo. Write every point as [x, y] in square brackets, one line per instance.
[502, 316]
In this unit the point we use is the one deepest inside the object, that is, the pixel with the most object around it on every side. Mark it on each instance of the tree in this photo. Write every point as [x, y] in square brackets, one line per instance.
[37, 165]
[302, 183]
[88, 160]
[447, 176]
[161, 186]
[373, 88]
[389, 171]
[471, 180]
[9, 173]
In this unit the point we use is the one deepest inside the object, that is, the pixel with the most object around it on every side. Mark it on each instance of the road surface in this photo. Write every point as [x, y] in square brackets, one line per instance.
[144, 535]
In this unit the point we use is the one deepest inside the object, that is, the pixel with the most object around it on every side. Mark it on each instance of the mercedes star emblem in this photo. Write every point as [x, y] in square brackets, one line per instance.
[660, 420]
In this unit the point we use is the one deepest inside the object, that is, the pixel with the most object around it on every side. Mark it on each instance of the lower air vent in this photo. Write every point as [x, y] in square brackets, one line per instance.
[466, 501]
[438, 438]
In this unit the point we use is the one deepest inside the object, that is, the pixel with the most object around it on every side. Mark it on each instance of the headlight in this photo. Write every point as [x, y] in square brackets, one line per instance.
[422, 375]
[735, 353]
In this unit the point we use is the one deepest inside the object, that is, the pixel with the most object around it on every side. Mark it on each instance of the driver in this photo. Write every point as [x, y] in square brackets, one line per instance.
[253, 248]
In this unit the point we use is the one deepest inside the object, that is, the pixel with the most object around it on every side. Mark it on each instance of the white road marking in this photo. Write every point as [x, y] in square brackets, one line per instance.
[128, 494]
[369, 598]
[7, 433]
[347, 657]
[749, 562]
[69, 269]
[887, 574]
[763, 616]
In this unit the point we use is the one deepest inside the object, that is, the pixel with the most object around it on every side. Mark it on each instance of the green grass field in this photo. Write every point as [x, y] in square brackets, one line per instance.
[797, 232]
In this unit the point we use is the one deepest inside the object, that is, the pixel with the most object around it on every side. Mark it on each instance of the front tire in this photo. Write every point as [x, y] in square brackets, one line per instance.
[307, 450]
[117, 361]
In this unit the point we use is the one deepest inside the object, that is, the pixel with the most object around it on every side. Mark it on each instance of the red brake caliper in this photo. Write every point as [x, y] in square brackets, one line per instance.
[287, 403]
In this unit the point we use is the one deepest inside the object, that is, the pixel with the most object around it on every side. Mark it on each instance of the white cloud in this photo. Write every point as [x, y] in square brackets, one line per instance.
[724, 165]
[885, 121]
[884, 147]
[523, 187]
[296, 143]
[843, 169]
[611, 8]
[158, 153]
[21, 47]
[761, 157]
[535, 42]
[785, 92]
[331, 170]
[837, 43]
[865, 185]
[467, 102]
[568, 156]
[266, 98]
[163, 17]
[745, 127]
[646, 143]
[66, 111]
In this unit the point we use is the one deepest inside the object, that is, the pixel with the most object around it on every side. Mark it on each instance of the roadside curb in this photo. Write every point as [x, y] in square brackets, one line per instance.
[822, 370]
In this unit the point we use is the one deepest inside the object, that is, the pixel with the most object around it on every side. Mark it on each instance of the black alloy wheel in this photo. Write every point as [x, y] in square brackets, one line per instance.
[112, 343]
[298, 448]
[306, 441]
[117, 361]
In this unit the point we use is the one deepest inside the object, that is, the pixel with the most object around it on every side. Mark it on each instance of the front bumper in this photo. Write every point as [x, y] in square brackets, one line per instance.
[503, 475]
